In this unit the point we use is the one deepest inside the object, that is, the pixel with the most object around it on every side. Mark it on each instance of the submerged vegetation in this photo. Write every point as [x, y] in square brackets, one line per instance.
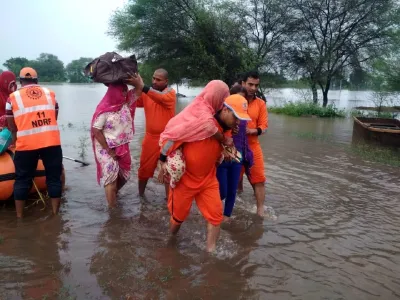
[373, 153]
[377, 154]
[300, 109]
[84, 142]
[373, 114]
[313, 136]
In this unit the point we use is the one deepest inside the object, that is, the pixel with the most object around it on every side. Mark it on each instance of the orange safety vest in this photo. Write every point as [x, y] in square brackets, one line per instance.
[34, 112]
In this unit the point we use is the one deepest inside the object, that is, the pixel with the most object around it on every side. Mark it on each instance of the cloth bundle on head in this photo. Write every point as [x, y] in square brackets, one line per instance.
[196, 121]
[7, 86]
[112, 101]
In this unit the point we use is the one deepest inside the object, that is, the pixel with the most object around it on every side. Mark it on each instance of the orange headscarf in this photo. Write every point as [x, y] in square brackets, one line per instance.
[196, 121]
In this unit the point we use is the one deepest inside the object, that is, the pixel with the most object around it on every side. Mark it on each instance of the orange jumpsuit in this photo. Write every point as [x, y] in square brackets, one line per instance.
[259, 119]
[199, 182]
[159, 108]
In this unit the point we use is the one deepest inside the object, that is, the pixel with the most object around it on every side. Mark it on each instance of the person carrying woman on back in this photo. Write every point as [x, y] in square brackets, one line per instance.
[112, 129]
[228, 172]
[197, 132]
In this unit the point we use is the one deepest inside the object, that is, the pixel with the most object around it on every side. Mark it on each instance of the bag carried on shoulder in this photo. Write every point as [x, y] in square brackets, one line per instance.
[111, 68]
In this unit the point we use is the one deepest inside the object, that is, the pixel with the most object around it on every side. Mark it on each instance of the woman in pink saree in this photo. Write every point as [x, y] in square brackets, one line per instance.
[112, 129]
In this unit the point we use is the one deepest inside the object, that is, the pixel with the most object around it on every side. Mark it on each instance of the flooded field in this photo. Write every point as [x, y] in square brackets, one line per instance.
[336, 237]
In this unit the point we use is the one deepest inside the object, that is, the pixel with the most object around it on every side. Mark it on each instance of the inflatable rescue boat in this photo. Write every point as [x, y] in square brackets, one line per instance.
[7, 176]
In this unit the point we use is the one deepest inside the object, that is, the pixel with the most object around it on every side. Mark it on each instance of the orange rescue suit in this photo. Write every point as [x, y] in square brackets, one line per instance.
[258, 113]
[199, 182]
[159, 108]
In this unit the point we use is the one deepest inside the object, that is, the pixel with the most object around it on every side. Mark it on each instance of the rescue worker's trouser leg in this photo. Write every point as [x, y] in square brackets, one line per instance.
[52, 161]
[25, 163]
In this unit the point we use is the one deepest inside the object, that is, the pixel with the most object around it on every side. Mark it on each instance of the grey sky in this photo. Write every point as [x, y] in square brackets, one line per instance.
[69, 29]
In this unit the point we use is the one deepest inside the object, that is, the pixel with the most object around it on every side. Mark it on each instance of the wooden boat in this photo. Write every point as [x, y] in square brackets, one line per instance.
[7, 176]
[385, 132]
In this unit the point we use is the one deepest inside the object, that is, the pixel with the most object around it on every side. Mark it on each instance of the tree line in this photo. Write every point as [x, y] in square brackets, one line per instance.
[51, 69]
[314, 42]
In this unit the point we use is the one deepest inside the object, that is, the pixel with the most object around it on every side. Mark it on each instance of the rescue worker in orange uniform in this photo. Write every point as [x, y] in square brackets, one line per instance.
[258, 125]
[199, 182]
[158, 102]
[32, 113]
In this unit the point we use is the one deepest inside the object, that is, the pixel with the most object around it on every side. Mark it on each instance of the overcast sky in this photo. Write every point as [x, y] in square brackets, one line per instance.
[69, 29]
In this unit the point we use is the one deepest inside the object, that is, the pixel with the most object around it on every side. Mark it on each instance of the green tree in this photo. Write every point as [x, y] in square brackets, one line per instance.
[49, 68]
[74, 70]
[191, 39]
[328, 36]
[384, 72]
[265, 25]
[15, 64]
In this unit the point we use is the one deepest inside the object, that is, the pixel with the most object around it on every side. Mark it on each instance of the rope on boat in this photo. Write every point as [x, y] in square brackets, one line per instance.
[42, 198]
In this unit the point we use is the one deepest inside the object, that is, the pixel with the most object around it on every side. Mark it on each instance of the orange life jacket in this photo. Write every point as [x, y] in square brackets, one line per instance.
[34, 110]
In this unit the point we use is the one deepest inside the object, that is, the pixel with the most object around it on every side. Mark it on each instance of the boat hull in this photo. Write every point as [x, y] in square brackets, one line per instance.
[379, 131]
[7, 176]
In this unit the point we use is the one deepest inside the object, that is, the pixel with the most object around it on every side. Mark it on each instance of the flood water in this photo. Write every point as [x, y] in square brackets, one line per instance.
[336, 237]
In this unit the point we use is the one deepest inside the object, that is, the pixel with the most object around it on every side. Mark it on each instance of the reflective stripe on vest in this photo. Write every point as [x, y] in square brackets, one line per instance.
[22, 110]
[37, 130]
[34, 110]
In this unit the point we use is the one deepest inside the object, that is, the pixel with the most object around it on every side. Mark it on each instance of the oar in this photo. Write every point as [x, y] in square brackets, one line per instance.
[75, 160]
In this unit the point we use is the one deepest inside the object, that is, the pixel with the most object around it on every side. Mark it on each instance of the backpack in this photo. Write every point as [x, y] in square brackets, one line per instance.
[111, 68]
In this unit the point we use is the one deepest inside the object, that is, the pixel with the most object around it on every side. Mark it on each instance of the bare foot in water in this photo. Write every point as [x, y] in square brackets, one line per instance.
[260, 212]
[226, 220]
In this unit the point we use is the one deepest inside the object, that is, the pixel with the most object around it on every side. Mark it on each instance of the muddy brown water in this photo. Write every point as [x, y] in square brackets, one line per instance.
[336, 237]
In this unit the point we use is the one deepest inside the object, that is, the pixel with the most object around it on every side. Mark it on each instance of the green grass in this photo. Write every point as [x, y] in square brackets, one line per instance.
[372, 114]
[166, 275]
[299, 109]
[313, 136]
[377, 154]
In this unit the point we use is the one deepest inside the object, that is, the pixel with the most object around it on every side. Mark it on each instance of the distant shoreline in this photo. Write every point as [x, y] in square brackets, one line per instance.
[200, 86]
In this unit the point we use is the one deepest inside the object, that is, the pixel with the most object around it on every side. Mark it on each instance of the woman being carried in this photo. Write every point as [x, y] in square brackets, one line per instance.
[228, 172]
[112, 129]
[193, 137]
[194, 123]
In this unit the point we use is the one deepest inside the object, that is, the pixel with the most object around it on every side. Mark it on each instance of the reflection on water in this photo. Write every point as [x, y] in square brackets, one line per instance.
[336, 236]
[30, 257]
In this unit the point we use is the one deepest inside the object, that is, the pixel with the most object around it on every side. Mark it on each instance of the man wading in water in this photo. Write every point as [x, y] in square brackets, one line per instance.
[194, 131]
[257, 126]
[32, 113]
[158, 102]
